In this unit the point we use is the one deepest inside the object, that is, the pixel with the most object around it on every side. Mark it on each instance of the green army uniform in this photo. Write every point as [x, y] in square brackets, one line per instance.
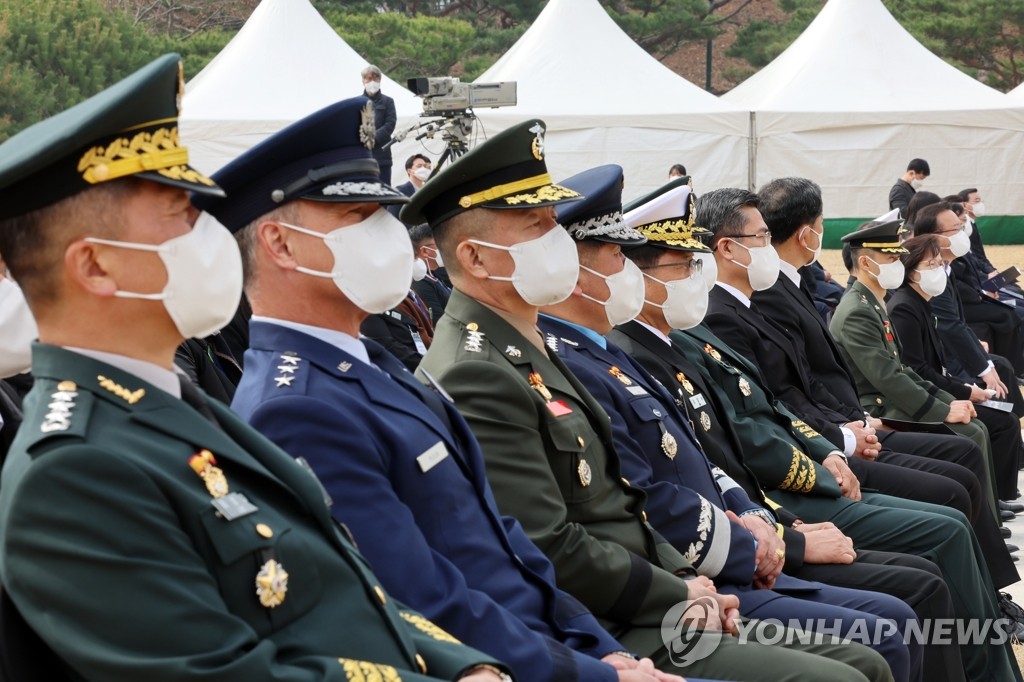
[547, 448]
[143, 537]
[888, 388]
[770, 436]
[107, 487]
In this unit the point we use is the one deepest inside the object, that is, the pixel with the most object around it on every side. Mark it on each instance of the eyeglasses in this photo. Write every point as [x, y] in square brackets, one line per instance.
[689, 268]
[932, 264]
[765, 237]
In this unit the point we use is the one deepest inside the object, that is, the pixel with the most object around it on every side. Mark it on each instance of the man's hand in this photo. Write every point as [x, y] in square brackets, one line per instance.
[984, 345]
[867, 441]
[848, 483]
[992, 381]
[826, 544]
[728, 604]
[958, 412]
[642, 670]
[771, 550]
[969, 406]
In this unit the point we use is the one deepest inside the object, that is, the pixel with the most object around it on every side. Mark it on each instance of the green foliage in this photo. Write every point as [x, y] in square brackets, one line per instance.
[200, 48]
[663, 26]
[983, 38]
[56, 53]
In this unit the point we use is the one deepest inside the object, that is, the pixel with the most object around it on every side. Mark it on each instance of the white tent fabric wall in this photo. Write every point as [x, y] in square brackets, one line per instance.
[285, 63]
[855, 97]
[605, 100]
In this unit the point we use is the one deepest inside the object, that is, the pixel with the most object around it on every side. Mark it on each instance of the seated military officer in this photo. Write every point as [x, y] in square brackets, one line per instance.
[545, 441]
[146, 533]
[399, 463]
[659, 453]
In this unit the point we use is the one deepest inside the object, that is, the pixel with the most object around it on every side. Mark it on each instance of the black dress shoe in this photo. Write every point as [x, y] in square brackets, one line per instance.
[1015, 507]
[1004, 532]
[1006, 515]
[1012, 548]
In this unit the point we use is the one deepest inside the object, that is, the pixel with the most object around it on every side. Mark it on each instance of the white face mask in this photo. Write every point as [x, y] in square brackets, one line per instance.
[917, 184]
[372, 87]
[546, 268]
[373, 261]
[686, 302]
[709, 268]
[959, 244]
[625, 293]
[17, 330]
[932, 282]
[978, 208]
[435, 255]
[204, 276]
[763, 270]
[890, 275]
[969, 228]
[817, 250]
[419, 270]
[422, 173]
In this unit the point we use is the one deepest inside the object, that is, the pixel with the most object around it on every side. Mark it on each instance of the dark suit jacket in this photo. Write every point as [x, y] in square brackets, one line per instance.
[408, 478]
[394, 330]
[405, 188]
[915, 324]
[978, 249]
[900, 195]
[434, 295]
[765, 345]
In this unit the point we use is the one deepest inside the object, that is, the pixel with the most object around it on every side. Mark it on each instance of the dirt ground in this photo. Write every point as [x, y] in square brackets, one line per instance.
[1001, 256]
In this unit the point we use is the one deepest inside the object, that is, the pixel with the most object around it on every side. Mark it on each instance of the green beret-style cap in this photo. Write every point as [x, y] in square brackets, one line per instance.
[506, 171]
[129, 129]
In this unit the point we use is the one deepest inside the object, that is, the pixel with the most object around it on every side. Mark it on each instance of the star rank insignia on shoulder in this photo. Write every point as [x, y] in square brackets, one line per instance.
[286, 370]
[61, 403]
[474, 338]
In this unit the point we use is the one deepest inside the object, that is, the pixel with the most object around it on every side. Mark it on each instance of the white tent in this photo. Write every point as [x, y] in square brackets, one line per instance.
[856, 97]
[605, 100]
[285, 63]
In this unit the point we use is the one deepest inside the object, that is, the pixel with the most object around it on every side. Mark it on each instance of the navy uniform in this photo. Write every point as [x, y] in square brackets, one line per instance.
[548, 447]
[686, 497]
[397, 462]
[147, 537]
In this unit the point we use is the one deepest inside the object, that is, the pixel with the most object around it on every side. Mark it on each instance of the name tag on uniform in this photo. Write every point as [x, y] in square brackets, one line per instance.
[418, 340]
[637, 390]
[698, 401]
[430, 459]
[233, 506]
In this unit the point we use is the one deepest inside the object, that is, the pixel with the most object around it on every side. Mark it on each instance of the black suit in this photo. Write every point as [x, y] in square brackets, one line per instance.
[955, 458]
[889, 572]
[434, 295]
[915, 323]
[766, 344]
[406, 188]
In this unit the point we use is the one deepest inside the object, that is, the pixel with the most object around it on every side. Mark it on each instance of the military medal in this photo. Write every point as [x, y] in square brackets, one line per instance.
[538, 385]
[669, 445]
[583, 470]
[888, 332]
[705, 421]
[681, 378]
[712, 352]
[205, 464]
[271, 584]
[744, 386]
[617, 373]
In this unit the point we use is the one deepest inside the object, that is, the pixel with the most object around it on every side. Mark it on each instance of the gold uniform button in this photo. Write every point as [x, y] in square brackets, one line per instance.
[380, 594]
[624, 481]
[878, 401]
[579, 439]
[422, 664]
[643, 515]
[264, 530]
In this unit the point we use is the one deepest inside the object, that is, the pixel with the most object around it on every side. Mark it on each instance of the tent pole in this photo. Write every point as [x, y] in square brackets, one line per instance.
[752, 153]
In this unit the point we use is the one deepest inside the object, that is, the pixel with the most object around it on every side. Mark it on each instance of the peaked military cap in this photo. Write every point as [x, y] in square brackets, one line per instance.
[506, 171]
[326, 156]
[666, 217]
[884, 237]
[598, 215]
[129, 129]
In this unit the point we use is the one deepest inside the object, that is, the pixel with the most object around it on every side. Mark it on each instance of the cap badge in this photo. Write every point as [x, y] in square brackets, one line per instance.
[368, 127]
[537, 145]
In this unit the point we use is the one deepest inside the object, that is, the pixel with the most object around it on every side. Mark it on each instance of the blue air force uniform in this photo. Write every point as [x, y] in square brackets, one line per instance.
[407, 477]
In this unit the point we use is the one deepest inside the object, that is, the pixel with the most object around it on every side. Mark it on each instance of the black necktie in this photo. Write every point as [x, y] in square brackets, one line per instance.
[191, 395]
